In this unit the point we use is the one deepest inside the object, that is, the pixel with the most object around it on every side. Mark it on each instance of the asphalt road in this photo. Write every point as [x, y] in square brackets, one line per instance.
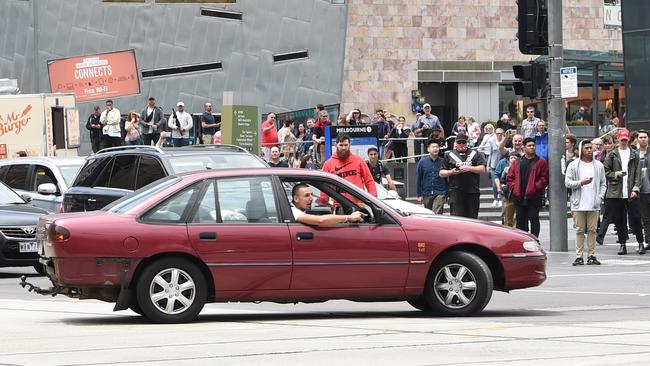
[591, 315]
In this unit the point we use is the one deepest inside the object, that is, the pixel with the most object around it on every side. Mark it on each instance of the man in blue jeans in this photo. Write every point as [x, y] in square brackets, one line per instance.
[430, 187]
[180, 122]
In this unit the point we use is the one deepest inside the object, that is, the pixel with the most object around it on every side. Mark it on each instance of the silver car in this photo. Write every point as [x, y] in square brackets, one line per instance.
[44, 179]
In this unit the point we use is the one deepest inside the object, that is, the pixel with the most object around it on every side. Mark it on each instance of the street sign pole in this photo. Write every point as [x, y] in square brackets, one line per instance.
[558, 192]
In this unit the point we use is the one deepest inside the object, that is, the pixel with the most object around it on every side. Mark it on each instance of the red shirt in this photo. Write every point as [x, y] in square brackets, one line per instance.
[270, 137]
[354, 170]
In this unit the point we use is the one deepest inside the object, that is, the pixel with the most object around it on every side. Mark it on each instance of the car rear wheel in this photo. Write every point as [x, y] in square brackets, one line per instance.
[171, 290]
[459, 284]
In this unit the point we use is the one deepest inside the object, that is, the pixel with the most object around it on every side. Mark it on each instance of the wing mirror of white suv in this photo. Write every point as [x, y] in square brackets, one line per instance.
[47, 188]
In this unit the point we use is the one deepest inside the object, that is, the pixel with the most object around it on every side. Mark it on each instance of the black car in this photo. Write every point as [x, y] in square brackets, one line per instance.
[114, 172]
[18, 220]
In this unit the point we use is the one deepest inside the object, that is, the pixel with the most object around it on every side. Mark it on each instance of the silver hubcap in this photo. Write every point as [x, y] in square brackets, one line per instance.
[455, 286]
[172, 291]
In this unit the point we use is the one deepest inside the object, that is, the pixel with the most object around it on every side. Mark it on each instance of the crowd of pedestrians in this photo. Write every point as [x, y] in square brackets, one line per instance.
[109, 128]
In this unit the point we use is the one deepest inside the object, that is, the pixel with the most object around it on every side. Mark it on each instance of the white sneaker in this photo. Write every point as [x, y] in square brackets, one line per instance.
[494, 203]
[500, 204]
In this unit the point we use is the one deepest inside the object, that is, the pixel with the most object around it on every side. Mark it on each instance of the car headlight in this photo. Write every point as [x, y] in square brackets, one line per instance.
[532, 246]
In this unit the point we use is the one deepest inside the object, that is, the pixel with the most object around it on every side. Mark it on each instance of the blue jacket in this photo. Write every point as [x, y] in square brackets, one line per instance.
[541, 145]
[427, 178]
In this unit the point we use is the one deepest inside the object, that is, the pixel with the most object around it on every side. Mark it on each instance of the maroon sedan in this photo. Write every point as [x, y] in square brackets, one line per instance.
[230, 235]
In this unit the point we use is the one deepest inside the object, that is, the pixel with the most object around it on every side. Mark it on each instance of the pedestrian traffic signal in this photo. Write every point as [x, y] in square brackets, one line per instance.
[533, 79]
[533, 27]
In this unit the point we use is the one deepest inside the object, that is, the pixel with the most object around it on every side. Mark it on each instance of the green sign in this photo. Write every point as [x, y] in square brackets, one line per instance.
[240, 126]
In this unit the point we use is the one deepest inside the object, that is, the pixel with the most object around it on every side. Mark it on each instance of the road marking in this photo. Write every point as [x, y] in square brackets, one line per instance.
[597, 274]
[586, 292]
[586, 308]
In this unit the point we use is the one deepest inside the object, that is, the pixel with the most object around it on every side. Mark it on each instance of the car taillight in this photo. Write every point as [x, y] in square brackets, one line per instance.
[61, 209]
[58, 233]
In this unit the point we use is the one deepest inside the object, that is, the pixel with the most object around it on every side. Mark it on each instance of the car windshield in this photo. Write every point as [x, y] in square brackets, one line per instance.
[134, 198]
[69, 172]
[188, 163]
[382, 193]
[8, 196]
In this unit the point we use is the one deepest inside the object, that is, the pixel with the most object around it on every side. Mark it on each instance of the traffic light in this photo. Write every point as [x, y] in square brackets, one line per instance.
[533, 79]
[533, 27]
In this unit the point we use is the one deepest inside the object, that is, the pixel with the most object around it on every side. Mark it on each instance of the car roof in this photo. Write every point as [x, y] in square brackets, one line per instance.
[240, 172]
[68, 160]
[172, 151]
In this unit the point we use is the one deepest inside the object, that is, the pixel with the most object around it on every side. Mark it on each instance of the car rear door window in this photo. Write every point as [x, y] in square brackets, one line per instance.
[17, 176]
[247, 200]
[123, 171]
[149, 170]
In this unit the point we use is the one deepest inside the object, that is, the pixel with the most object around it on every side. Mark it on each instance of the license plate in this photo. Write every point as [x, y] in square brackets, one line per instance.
[28, 247]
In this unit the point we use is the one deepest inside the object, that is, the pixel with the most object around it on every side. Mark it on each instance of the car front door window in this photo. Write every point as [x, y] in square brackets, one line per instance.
[247, 200]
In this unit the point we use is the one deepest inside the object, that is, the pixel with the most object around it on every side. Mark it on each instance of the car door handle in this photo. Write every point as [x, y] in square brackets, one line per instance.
[91, 200]
[208, 236]
[305, 236]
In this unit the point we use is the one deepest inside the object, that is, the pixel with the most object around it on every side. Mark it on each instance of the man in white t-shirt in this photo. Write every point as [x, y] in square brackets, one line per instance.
[622, 168]
[180, 123]
[585, 177]
[111, 130]
[301, 202]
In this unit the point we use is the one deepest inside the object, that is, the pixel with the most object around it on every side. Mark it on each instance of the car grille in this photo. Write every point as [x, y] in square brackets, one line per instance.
[19, 232]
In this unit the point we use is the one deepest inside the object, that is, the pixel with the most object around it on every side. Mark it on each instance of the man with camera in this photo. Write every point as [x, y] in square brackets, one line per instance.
[180, 123]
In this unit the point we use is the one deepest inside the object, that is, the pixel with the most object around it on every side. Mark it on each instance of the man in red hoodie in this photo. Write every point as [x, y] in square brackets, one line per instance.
[527, 179]
[349, 166]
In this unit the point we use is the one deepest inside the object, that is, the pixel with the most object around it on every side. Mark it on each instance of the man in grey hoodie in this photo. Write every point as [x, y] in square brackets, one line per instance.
[585, 177]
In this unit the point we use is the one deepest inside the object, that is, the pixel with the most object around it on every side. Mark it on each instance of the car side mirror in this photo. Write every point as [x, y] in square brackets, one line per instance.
[26, 197]
[46, 189]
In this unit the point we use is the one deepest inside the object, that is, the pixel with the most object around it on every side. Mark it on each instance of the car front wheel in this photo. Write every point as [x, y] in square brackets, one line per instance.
[171, 290]
[459, 284]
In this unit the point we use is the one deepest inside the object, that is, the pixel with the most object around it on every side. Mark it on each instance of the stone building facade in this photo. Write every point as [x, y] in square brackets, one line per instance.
[457, 52]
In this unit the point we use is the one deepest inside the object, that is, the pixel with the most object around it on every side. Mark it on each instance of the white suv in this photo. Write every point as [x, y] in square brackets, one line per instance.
[43, 179]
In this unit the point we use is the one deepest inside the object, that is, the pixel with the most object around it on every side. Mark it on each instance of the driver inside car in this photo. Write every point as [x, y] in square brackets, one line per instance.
[301, 202]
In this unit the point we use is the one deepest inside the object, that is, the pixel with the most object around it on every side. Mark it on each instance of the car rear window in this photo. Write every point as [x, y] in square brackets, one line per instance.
[69, 172]
[134, 198]
[188, 163]
[94, 171]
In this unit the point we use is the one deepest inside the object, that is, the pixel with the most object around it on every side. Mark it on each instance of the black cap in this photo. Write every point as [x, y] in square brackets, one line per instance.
[461, 137]
[372, 148]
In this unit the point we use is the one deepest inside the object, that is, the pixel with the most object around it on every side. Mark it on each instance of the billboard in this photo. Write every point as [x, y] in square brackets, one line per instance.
[21, 125]
[361, 138]
[92, 77]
